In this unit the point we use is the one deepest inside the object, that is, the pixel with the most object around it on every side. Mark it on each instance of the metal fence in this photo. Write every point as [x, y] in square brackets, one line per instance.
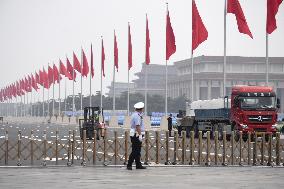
[158, 148]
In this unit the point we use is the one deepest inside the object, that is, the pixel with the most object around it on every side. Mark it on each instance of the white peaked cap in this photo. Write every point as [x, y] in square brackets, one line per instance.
[139, 105]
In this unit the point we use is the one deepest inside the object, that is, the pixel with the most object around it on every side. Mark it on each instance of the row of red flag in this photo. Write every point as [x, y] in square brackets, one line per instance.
[199, 35]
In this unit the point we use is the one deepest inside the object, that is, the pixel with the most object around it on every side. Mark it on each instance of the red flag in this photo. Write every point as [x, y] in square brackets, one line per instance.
[34, 83]
[29, 84]
[129, 49]
[76, 63]
[63, 70]
[50, 76]
[199, 32]
[70, 70]
[37, 80]
[234, 7]
[170, 39]
[92, 62]
[115, 49]
[147, 58]
[45, 79]
[41, 78]
[56, 75]
[272, 9]
[85, 68]
[103, 58]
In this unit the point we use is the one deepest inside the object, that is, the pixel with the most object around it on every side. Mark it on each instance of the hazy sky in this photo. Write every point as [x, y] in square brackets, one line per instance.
[34, 33]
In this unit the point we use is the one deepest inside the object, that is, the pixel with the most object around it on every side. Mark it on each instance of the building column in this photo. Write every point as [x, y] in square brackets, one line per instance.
[209, 84]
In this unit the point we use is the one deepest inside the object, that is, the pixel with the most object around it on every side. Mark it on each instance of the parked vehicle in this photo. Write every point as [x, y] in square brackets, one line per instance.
[91, 122]
[249, 109]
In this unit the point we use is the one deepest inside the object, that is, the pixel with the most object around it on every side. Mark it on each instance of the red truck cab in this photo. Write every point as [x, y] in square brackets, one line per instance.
[254, 109]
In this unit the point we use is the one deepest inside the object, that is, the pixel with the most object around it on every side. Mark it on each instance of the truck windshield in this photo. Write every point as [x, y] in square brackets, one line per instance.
[257, 102]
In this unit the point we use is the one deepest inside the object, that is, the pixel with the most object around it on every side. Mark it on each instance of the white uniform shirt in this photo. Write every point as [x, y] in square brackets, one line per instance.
[137, 119]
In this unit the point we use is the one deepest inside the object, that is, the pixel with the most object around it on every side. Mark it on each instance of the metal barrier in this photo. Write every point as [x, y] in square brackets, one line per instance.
[157, 148]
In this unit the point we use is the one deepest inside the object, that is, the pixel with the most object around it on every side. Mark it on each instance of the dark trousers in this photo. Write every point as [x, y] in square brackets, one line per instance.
[136, 152]
[170, 127]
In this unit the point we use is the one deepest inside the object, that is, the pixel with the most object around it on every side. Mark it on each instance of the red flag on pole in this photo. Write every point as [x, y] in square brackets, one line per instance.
[45, 79]
[272, 9]
[76, 63]
[170, 38]
[85, 68]
[37, 80]
[34, 83]
[70, 70]
[92, 62]
[50, 76]
[115, 53]
[234, 7]
[63, 70]
[103, 58]
[199, 32]
[147, 58]
[129, 49]
[56, 74]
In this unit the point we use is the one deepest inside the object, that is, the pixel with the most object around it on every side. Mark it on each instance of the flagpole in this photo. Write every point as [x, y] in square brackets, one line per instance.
[146, 87]
[38, 105]
[16, 106]
[73, 100]
[166, 97]
[81, 77]
[59, 96]
[91, 81]
[27, 105]
[267, 61]
[53, 93]
[192, 83]
[65, 95]
[225, 49]
[102, 75]
[43, 114]
[31, 102]
[113, 82]
[48, 110]
[21, 106]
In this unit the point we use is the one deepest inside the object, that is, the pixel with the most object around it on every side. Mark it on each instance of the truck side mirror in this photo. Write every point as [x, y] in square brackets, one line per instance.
[278, 103]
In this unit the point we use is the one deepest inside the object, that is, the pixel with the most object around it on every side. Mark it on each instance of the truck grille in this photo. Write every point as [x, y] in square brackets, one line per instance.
[260, 118]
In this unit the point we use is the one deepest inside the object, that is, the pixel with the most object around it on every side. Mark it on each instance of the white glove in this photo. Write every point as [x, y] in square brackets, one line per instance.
[140, 138]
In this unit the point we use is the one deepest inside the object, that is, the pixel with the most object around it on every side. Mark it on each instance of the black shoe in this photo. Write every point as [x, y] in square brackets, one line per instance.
[129, 167]
[141, 167]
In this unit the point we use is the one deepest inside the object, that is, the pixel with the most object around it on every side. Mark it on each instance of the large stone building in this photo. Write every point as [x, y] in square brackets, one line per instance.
[208, 76]
[156, 78]
[120, 87]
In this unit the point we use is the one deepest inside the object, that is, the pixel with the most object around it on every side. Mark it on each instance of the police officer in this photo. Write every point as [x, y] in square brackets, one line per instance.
[136, 131]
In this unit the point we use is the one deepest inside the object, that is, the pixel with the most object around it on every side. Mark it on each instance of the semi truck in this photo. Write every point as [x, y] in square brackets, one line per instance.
[248, 109]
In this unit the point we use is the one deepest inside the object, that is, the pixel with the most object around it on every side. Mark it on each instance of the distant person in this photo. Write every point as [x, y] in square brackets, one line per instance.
[136, 130]
[170, 125]
[179, 118]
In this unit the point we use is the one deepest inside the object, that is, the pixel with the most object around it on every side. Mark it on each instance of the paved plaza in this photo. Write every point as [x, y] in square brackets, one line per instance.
[153, 177]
